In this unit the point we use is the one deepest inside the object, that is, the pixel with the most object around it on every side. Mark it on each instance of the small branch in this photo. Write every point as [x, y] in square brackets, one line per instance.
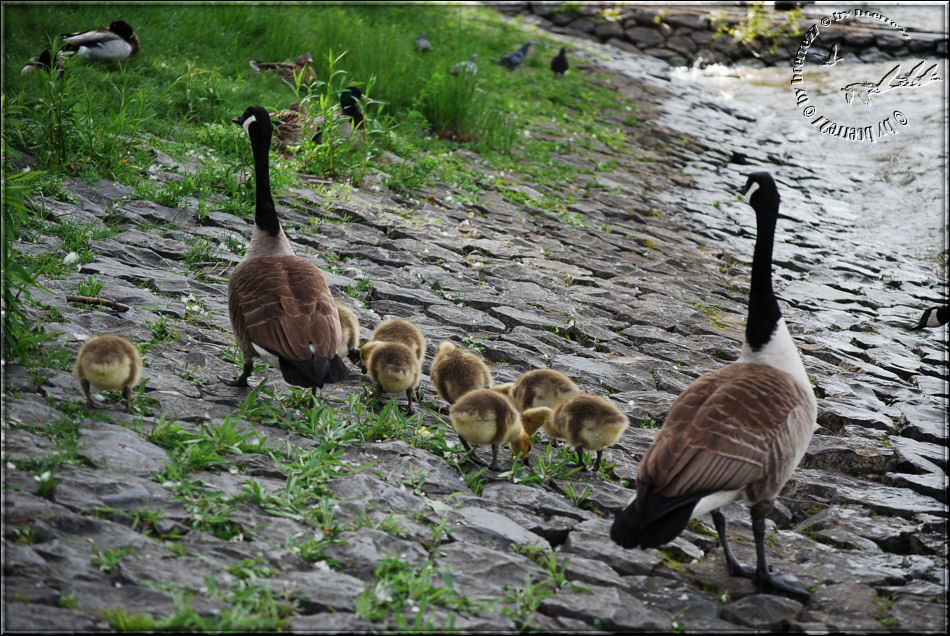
[102, 302]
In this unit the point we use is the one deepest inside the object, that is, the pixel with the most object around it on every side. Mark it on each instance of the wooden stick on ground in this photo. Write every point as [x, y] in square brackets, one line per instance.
[102, 302]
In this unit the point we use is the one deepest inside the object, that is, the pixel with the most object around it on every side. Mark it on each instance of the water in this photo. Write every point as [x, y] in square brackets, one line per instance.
[899, 197]
[895, 189]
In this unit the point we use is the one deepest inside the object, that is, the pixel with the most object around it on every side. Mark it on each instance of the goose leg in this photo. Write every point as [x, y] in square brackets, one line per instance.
[127, 393]
[600, 454]
[580, 457]
[242, 379]
[735, 568]
[409, 398]
[784, 583]
[85, 389]
[470, 451]
[494, 457]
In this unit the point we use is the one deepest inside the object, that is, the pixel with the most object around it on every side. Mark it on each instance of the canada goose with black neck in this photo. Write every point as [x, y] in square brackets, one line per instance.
[280, 305]
[741, 429]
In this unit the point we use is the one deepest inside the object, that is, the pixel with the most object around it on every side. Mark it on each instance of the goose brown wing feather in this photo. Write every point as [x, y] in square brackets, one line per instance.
[284, 305]
[726, 431]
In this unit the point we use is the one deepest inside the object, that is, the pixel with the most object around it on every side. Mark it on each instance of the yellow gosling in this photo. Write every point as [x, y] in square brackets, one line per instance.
[457, 371]
[111, 363]
[542, 387]
[484, 416]
[587, 421]
[402, 330]
[392, 367]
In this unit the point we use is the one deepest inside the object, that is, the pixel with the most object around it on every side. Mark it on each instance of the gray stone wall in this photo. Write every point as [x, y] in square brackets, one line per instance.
[683, 35]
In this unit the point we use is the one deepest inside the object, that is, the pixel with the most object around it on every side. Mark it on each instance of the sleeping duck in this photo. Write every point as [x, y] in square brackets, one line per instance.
[111, 44]
[290, 71]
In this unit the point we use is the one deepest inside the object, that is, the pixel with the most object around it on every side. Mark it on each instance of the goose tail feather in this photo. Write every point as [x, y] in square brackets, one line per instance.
[652, 519]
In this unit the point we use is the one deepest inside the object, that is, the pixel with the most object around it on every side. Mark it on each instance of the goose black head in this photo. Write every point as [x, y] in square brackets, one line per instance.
[255, 121]
[122, 29]
[760, 192]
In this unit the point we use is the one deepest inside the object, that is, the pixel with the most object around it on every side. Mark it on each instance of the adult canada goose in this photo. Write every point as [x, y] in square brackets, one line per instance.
[514, 60]
[280, 306]
[109, 362]
[740, 429]
[351, 100]
[289, 71]
[559, 63]
[540, 387]
[585, 421]
[111, 44]
[469, 66]
[484, 416]
[422, 44]
[392, 366]
[933, 317]
[457, 371]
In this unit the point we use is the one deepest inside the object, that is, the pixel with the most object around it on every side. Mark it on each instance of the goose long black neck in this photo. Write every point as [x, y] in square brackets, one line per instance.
[764, 312]
[265, 214]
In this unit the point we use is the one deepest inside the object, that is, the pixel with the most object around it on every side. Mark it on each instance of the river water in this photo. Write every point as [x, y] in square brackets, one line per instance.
[894, 189]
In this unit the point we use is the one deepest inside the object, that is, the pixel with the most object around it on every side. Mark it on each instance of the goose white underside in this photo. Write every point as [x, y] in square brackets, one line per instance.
[270, 358]
[779, 353]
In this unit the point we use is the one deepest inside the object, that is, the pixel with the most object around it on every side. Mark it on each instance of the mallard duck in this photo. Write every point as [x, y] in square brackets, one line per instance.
[294, 125]
[484, 416]
[280, 305]
[351, 100]
[514, 60]
[422, 44]
[737, 430]
[585, 422]
[469, 67]
[112, 44]
[44, 62]
[559, 63]
[933, 317]
[457, 371]
[109, 363]
[290, 71]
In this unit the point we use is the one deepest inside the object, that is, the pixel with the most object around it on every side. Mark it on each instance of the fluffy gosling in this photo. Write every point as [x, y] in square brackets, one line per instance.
[540, 387]
[402, 330]
[457, 371]
[585, 421]
[484, 416]
[392, 366]
[109, 362]
[350, 342]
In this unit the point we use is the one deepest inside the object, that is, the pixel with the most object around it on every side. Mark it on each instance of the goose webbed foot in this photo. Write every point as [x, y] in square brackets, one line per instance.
[783, 584]
[241, 380]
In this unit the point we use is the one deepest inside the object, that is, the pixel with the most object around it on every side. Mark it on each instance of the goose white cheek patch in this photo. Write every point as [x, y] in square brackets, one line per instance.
[752, 189]
[247, 123]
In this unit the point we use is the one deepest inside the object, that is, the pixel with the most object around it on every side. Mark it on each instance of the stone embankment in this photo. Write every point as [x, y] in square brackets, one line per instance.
[684, 35]
[634, 304]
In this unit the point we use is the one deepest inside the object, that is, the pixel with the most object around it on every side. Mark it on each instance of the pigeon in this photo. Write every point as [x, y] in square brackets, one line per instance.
[559, 63]
[469, 67]
[422, 44]
[113, 43]
[514, 60]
